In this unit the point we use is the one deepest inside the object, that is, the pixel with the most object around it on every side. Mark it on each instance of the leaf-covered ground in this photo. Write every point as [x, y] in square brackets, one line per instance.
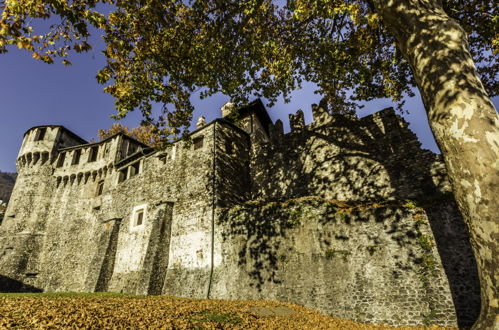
[92, 311]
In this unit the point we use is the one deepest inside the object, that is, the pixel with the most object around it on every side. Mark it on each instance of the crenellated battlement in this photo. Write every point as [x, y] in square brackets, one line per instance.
[346, 158]
[384, 122]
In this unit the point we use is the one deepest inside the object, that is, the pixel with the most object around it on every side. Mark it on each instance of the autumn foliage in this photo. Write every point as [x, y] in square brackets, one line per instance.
[144, 133]
[98, 311]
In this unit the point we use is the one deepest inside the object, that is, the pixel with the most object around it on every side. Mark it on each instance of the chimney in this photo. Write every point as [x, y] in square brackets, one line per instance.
[201, 122]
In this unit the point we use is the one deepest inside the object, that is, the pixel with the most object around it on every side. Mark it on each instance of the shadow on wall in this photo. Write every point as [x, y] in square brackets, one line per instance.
[266, 231]
[371, 159]
[9, 285]
[412, 178]
[345, 158]
[453, 245]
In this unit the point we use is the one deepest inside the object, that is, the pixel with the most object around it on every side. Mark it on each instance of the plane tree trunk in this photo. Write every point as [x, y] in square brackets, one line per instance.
[464, 122]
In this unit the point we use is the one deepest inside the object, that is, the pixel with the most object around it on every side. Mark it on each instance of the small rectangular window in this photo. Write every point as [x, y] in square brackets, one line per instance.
[134, 169]
[40, 134]
[60, 161]
[76, 157]
[100, 188]
[94, 151]
[122, 175]
[139, 217]
[163, 158]
[198, 143]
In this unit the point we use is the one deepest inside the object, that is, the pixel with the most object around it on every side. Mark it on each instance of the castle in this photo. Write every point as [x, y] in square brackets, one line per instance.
[349, 216]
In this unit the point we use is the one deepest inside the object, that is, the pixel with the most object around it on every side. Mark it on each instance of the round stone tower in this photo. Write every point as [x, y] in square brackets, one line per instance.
[27, 213]
[40, 144]
[38, 147]
[35, 181]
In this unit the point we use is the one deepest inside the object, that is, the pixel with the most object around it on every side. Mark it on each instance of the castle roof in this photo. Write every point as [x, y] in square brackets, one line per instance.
[134, 156]
[86, 144]
[258, 108]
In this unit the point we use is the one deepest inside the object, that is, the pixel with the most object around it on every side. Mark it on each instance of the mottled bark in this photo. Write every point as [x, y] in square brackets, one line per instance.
[465, 125]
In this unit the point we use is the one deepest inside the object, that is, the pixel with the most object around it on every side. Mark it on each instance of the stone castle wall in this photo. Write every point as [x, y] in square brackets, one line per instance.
[234, 217]
[344, 158]
[79, 233]
[370, 263]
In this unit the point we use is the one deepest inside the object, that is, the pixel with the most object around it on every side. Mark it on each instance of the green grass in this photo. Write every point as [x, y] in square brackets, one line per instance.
[210, 316]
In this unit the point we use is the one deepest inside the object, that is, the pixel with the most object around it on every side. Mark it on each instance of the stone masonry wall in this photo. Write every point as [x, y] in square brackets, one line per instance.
[373, 263]
[344, 158]
[88, 242]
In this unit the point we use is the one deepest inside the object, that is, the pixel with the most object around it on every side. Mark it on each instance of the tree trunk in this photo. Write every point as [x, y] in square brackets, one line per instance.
[465, 125]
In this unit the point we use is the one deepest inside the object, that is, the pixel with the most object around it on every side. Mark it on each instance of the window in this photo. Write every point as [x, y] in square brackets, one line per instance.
[134, 169]
[198, 143]
[100, 188]
[60, 161]
[40, 134]
[163, 158]
[138, 217]
[76, 157]
[36, 156]
[260, 136]
[122, 174]
[94, 151]
[45, 157]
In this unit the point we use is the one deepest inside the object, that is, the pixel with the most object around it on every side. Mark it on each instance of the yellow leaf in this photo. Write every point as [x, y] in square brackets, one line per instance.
[36, 56]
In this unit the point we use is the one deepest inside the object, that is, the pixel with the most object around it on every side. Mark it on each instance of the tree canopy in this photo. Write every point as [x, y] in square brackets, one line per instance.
[163, 51]
[143, 133]
[353, 50]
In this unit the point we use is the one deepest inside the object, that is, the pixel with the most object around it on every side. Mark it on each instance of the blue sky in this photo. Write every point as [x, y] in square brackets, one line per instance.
[34, 93]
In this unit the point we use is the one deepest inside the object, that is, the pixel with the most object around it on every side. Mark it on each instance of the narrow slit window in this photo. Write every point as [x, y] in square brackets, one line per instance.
[163, 158]
[100, 188]
[45, 157]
